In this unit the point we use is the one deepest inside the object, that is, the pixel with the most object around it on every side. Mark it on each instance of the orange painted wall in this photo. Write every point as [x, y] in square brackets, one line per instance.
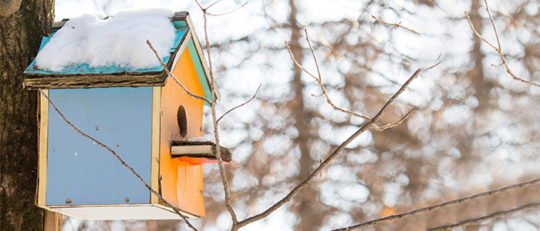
[181, 182]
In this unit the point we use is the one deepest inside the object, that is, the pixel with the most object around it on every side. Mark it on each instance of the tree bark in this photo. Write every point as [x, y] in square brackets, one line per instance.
[20, 37]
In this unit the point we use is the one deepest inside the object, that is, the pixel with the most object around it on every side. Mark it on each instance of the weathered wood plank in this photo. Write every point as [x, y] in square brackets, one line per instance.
[156, 129]
[42, 149]
[88, 81]
[53, 221]
[202, 149]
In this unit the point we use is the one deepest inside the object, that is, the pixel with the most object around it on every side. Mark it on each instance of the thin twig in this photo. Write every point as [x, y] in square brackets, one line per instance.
[168, 72]
[406, 116]
[313, 54]
[323, 88]
[227, 12]
[498, 47]
[211, 4]
[398, 25]
[331, 156]
[205, 9]
[213, 89]
[493, 25]
[318, 79]
[486, 217]
[240, 105]
[201, 7]
[117, 157]
[444, 204]
[394, 124]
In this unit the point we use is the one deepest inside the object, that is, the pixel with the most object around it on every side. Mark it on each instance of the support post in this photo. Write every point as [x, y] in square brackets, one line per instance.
[53, 221]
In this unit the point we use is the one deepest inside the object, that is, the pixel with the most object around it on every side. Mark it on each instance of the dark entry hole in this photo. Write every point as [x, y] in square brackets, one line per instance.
[182, 120]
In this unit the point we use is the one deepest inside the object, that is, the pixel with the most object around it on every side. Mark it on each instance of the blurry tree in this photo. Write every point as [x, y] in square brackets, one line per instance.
[476, 127]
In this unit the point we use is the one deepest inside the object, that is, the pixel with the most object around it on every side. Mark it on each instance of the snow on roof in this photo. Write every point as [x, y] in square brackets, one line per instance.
[119, 40]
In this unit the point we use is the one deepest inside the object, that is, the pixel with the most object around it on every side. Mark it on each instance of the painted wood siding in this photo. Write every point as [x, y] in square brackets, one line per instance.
[182, 182]
[86, 173]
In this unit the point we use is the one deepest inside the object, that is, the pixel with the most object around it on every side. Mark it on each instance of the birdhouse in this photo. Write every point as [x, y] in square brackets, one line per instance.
[139, 112]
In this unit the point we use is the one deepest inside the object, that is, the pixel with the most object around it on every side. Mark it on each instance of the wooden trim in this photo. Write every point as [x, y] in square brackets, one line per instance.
[64, 210]
[55, 208]
[189, 215]
[200, 52]
[42, 153]
[38, 115]
[53, 221]
[181, 49]
[156, 130]
[180, 16]
[199, 149]
[50, 81]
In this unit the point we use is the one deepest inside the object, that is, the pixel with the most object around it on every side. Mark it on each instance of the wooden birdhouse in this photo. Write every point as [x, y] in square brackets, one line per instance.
[139, 113]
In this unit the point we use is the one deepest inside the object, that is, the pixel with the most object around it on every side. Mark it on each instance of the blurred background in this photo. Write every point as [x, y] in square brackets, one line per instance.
[475, 128]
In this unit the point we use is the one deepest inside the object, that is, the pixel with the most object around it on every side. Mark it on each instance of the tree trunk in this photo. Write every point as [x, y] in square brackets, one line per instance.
[307, 207]
[20, 36]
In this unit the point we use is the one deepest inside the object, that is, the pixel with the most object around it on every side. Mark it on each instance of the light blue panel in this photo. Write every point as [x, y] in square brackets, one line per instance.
[85, 69]
[200, 71]
[81, 170]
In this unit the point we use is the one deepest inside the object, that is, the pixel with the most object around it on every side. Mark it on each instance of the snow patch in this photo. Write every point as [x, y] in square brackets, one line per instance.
[119, 40]
[203, 139]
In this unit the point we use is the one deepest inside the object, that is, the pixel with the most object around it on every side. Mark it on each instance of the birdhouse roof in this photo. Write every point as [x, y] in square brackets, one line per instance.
[109, 73]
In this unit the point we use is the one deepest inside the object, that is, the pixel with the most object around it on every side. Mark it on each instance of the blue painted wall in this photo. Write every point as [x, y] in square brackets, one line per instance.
[86, 173]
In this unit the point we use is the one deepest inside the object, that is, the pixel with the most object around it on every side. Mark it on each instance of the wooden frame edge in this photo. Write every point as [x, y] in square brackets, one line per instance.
[197, 44]
[42, 149]
[57, 209]
[156, 130]
[181, 50]
[200, 52]
[189, 215]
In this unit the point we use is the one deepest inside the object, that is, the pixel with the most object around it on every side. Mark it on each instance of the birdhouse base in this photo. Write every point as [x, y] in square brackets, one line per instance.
[119, 212]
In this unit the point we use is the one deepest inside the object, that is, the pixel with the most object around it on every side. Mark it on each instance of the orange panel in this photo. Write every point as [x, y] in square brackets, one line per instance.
[181, 183]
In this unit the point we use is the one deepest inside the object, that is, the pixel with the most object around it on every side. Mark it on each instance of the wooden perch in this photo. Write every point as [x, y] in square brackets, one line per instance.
[199, 149]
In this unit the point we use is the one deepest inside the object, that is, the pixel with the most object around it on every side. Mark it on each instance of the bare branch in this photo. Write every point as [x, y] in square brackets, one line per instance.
[444, 204]
[318, 79]
[323, 88]
[211, 4]
[119, 159]
[213, 89]
[240, 105]
[489, 216]
[436, 64]
[227, 12]
[398, 25]
[172, 76]
[394, 124]
[498, 47]
[406, 116]
[205, 9]
[312, 54]
[331, 156]
[493, 25]
[202, 8]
